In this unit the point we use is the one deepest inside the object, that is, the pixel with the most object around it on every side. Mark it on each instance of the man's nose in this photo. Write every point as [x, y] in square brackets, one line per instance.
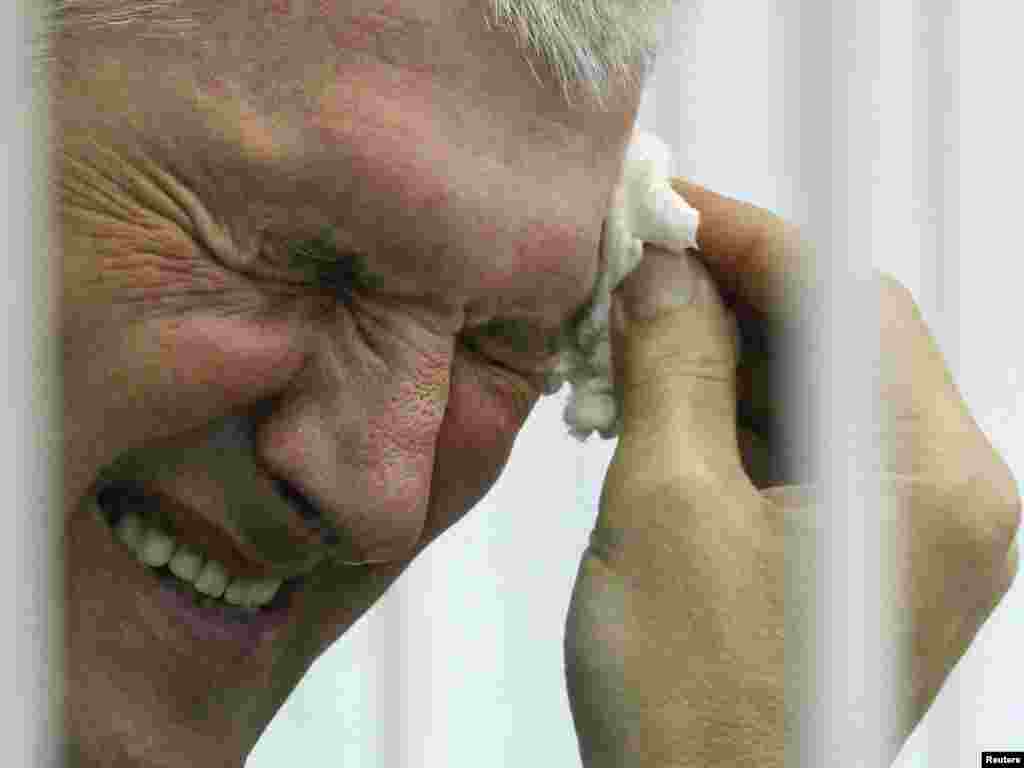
[354, 436]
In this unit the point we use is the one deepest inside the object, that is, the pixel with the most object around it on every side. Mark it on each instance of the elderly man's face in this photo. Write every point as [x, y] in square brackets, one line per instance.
[286, 244]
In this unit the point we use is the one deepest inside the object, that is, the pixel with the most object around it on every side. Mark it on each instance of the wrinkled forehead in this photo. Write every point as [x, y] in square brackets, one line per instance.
[407, 127]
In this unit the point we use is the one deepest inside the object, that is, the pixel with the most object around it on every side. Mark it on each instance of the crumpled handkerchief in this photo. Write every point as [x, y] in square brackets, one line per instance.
[645, 209]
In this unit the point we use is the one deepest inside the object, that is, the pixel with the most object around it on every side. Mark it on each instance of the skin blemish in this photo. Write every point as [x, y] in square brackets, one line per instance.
[547, 247]
[367, 100]
[385, 123]
[409, 421]
[364, 31]
[433, 392]
[256, 135]
[215, 88]
[231, 115]
[389, 32]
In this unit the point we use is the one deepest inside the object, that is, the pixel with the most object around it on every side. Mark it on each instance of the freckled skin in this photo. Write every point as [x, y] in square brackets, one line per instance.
[195, 354]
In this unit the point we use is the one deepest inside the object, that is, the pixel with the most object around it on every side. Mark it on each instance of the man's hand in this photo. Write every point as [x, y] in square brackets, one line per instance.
[675, 641]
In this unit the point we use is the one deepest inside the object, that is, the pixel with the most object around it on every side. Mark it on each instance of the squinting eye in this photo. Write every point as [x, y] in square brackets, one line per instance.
[513, 343]
[509, 333]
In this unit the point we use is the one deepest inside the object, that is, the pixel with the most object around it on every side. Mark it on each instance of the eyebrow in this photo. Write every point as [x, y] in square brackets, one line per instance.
[331, 263]
[342, 271]
[314, 251]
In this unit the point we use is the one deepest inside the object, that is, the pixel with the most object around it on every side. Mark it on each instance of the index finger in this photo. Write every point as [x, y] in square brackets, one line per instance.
[754, 254]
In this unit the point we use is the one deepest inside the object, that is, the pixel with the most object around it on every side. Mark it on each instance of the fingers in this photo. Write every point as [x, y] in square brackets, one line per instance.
[756, 257]
[675, 355]
[928, 430]
[766, 273]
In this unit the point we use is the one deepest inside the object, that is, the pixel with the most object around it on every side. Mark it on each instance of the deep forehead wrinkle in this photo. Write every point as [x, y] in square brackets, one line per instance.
[426, 155]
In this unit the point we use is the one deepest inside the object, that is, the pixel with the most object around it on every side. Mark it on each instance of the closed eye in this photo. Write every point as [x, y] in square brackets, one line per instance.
[515, 344]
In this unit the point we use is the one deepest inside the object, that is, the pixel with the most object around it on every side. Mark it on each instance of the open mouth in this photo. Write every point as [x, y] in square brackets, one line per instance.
[184, 567]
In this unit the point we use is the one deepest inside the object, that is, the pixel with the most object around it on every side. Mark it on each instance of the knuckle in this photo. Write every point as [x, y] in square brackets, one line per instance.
[1006, 503]
[1001, 498]
[999, 585]
[698, 366]
[671, 383]
[987, 506]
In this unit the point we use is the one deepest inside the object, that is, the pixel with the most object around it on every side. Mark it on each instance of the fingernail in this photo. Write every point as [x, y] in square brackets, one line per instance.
[663, 281]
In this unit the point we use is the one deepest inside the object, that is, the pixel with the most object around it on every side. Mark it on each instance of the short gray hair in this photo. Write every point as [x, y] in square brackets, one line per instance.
[591, 47]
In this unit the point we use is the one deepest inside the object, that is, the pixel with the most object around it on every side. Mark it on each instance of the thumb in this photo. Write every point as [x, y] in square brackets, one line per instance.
[674, 346]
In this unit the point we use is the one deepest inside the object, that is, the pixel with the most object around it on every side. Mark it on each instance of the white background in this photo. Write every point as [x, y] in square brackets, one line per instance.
[461, 663]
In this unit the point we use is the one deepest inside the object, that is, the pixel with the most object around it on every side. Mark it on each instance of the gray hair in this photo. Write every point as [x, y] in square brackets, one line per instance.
[592, 47]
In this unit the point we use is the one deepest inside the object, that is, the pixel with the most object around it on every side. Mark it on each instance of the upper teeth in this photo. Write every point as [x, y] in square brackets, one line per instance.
[157, 548]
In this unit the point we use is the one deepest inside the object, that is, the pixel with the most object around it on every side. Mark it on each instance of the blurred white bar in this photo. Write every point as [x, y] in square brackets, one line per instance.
[950, 730]
[31, 444]
[839, 650]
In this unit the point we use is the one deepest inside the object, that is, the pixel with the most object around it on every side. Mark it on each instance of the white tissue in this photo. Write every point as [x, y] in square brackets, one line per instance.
[645, 209]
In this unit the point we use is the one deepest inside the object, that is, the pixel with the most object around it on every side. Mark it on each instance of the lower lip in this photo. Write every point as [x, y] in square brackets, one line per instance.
[213, 625]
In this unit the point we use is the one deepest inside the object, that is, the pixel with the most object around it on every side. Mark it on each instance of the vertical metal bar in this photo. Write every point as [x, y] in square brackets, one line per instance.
[944, 123]
[29, 435]
[941, 173]
[839, 652]
[388, 670]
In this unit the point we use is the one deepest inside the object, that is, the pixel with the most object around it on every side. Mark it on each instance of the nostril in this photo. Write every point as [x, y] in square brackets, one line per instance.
[301, 504]
[307, 510]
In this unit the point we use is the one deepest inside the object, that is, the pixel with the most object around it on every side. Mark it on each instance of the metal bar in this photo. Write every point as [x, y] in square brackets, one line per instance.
[840, 653]
[30, 435]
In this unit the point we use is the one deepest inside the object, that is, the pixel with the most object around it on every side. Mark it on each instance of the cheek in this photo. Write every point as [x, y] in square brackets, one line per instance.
[484, 416]
[229, 360]
[169, 377]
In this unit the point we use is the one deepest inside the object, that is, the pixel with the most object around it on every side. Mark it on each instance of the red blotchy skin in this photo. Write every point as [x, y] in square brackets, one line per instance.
[359, 438]
[362, 31]
[228, 356]
[384, 126]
